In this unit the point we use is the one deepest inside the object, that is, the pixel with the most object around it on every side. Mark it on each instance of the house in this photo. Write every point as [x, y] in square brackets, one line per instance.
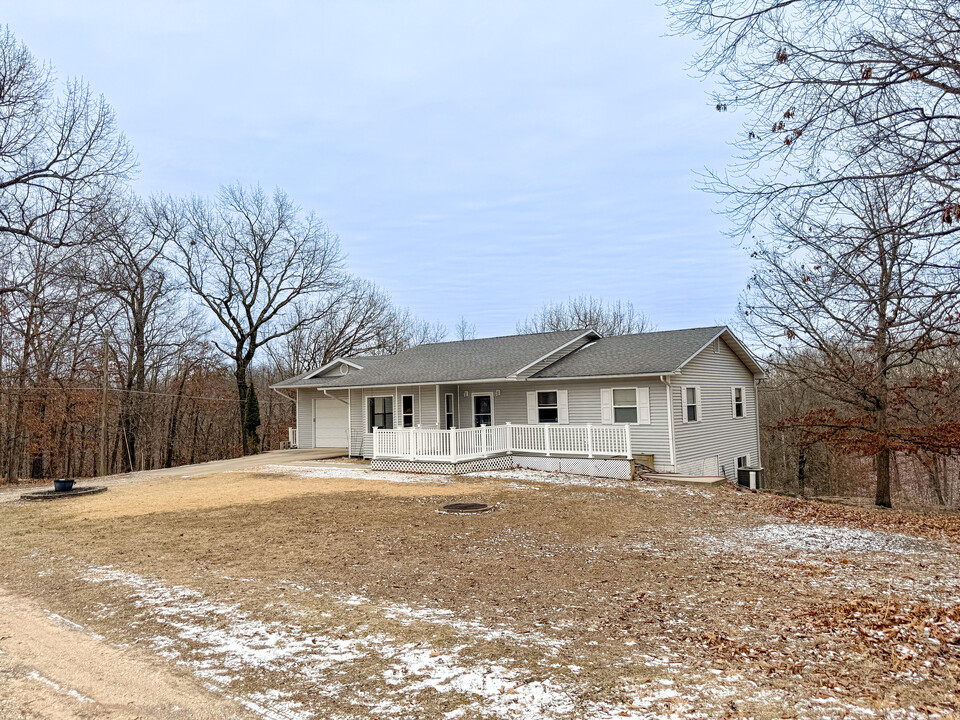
[680, 401]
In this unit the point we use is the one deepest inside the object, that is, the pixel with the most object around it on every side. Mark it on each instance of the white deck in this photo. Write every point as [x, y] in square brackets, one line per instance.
[457, 445]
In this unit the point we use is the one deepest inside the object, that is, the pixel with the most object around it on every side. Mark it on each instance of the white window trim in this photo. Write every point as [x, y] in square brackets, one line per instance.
[473, 408]
[413, 410]
[614, 406]
[683, 403]
[745, 457]
[743, 402]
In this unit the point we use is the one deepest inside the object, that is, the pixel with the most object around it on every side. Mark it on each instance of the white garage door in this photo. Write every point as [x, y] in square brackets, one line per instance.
[329, 423]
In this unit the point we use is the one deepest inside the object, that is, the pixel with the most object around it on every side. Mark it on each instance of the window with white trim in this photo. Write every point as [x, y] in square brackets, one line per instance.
[743, 461]
[379, 412]
[691, 406]
[406, 410]
[448, 409]
[548, 410]
[625, 405]
[738, 402]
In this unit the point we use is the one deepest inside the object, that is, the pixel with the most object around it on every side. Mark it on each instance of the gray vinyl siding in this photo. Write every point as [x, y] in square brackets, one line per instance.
[305, 398]
[718, 433]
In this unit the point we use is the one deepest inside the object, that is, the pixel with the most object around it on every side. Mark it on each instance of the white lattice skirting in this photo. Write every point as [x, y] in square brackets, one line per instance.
[616, 468]
[504, 462]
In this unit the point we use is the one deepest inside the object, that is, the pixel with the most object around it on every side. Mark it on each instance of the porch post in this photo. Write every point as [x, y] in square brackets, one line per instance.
[376, 442]
[626, 429]
[589, 441]
[413, 444]
[509, 438]
[546, 438]
[483, 440]
[453, 443]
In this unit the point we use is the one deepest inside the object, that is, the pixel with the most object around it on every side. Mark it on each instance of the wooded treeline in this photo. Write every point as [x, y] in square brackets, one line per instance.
[846, 192]
[141, 333]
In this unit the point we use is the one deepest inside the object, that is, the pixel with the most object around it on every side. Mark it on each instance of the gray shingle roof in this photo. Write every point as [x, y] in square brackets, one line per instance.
[646, 353]
[650, 353]
[482, 359]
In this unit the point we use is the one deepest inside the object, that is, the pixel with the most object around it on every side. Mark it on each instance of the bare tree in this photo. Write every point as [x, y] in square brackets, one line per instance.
[465, 330]
[61, 156]
[358, 318]
[851, 297]
[824, 82]
[587, 313]
[253, 261]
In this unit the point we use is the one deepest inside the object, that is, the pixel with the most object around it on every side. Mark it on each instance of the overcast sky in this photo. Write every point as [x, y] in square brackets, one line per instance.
[476, 158]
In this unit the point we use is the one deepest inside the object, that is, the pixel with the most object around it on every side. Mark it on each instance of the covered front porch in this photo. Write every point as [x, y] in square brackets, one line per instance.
[457, 445]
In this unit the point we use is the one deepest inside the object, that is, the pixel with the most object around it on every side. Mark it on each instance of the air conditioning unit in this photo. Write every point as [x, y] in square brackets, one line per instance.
[750, 477]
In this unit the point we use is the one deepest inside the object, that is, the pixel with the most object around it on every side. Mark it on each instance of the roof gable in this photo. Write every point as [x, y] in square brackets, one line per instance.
[651, 353]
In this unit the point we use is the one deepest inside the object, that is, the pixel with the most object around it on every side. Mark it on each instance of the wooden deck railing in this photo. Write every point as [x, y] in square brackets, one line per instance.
[456, 444]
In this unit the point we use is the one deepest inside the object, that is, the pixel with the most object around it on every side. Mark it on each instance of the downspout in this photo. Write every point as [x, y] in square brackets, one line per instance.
[283, 395]
[673, 443]
[756, 412]
[345, 402]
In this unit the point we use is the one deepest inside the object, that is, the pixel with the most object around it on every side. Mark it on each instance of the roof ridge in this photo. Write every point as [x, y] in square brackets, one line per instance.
[500, 337]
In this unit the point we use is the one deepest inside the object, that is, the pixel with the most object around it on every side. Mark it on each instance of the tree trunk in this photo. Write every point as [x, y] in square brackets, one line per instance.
[801, 473]
[882, 464]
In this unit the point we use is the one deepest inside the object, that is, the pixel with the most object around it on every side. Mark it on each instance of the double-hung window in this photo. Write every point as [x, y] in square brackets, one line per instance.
[547, 409]
[625, 405]
[738, 402]
[379, 412]
[691, 404]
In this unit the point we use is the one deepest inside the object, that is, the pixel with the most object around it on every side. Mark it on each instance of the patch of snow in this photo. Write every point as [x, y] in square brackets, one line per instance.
[837, 539]
[352, 474]
[34, 675]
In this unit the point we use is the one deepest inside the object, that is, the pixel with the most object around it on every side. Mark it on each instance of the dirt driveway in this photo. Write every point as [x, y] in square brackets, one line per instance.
[303, 589]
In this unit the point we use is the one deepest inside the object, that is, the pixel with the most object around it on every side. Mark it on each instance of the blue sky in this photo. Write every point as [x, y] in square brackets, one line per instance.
[476, 158]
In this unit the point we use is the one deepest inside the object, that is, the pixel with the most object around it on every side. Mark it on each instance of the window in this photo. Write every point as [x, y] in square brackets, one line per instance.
[406, 410]
[482, 410]
[691, 404]
[379, 412]
[625, 405]
[738, 402]
[743, 461]
[547, 409]
[448, 409]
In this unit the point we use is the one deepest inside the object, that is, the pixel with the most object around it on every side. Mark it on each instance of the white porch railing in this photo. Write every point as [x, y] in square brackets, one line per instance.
[455, 444]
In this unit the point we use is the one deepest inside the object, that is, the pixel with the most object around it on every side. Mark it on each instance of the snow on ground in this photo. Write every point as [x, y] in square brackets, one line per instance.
[520, 474]
[357, 473]
[837, 539]
[282, 670]
[224, 646]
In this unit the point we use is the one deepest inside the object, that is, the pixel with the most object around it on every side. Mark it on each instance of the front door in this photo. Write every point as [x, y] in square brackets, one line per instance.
[482, 410]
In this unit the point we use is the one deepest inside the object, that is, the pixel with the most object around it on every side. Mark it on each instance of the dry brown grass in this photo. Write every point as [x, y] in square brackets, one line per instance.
[606, 593]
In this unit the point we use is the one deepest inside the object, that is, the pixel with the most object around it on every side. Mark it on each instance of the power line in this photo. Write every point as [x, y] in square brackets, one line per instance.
[115, 389]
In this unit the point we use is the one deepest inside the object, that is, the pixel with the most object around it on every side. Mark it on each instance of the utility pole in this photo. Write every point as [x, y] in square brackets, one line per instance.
[103, 406]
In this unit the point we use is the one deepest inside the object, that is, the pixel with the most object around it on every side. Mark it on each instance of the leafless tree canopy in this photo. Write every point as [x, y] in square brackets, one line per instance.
[587, 313]
[61, 155]
[823, 83]
[254, 261]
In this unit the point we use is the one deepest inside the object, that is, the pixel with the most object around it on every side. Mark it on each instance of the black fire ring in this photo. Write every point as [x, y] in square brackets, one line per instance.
[466, 508]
